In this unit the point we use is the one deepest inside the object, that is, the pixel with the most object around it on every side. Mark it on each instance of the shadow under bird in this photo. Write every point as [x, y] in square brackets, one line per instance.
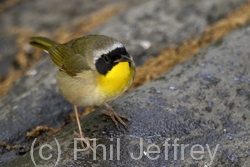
[93, 70]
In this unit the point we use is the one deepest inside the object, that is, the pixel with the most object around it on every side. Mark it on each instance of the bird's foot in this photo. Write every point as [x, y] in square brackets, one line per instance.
[114, 116]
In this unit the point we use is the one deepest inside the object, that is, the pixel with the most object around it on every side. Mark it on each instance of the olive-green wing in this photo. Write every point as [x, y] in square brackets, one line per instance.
[68, 60]
[64, 57]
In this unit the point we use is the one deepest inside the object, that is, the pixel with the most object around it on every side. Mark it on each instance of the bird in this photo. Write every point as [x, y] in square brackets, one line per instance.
[93, 70]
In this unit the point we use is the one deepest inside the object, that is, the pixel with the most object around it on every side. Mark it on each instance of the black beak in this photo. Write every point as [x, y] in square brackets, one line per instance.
[124, 58]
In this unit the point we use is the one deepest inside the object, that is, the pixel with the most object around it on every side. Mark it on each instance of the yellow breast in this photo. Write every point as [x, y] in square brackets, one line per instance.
[116, 81]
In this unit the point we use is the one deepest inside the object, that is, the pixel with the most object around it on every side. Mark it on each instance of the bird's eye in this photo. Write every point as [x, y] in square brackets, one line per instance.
[107, 58]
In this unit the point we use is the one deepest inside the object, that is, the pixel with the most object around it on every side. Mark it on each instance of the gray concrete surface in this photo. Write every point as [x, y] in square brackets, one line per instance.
[203, 101]
[195, 102]
[150, 26]
[145, 27]
[45, 17]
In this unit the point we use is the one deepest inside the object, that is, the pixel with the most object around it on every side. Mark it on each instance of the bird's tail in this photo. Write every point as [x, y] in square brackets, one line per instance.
[43, 43]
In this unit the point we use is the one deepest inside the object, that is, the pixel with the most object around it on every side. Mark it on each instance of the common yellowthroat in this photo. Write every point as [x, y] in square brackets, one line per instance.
[93, 70]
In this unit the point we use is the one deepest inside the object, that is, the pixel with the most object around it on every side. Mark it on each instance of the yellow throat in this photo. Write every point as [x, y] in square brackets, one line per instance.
[116, 80]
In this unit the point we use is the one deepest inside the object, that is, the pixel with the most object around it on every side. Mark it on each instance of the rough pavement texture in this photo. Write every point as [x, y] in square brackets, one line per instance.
[150, 26]
[144, 32]
[35, 94]
[29, 18]
[204, 101]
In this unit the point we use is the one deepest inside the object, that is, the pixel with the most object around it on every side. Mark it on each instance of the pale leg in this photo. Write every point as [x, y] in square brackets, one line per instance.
[81, 135]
